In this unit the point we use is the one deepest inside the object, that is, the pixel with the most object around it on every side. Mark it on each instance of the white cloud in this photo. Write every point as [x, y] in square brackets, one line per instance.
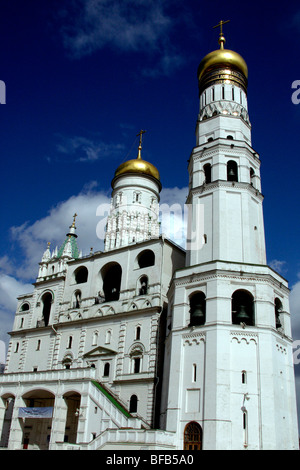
[86, 149]
[92, 207]
[10, 289]
[33, 238]
[278, 266]
[127, 25]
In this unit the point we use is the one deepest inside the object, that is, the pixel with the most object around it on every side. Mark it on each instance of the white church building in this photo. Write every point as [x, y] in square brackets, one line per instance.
[146, 345]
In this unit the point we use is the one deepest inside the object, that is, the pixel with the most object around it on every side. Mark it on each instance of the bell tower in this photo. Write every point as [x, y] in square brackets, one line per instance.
[224, 170]
[228, 363]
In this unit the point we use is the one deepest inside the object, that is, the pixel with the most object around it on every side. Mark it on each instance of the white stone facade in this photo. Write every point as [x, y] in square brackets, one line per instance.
[145, 346]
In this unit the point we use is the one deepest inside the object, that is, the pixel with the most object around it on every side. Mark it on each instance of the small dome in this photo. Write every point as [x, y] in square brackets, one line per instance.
[138, 166]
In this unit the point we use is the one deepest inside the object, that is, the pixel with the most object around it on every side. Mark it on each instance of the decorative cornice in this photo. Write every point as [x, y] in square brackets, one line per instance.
[224, 108]
[240, 276]
[225, 184]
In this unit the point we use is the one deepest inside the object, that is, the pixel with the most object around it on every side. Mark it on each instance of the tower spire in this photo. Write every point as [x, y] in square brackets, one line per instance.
[139, 157]
[69, 247]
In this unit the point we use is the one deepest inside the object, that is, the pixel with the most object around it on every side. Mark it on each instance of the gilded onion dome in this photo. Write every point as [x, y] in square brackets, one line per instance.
[138, 165]
[222, 66]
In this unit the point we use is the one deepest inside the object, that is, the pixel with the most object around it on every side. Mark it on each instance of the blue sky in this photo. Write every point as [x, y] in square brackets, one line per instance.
[84, 76]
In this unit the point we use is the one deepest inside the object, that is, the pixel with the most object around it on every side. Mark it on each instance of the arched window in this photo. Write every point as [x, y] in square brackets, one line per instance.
[133, 404]
[143, 289]
[67, 362]
[197, 309]
[136, 356]
[111, 275]
[207, 173]
[47, 302]
[278, 310]
[232, 171]
[106, 369]
[107, 337]
[81, 275]
[77, 299]
[138, 332]
[25, 307]
[242, 307]
[95, 338]
[244, 377]
[192, 436]
[146, 258]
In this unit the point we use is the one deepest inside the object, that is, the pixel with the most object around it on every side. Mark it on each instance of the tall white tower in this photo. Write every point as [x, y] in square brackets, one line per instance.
[134, 214]
[229, 377]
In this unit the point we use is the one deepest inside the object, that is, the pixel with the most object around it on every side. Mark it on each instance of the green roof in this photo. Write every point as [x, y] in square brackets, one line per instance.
[74, 247]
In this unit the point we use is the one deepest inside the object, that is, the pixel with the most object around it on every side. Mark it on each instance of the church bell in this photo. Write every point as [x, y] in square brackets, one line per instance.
[231, 172]
[197, 314]
[242, 315]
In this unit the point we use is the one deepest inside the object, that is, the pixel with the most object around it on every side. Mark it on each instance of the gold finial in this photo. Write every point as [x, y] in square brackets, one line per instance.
[140, 144]
[49, 243]
[74, 218]
[221, 37]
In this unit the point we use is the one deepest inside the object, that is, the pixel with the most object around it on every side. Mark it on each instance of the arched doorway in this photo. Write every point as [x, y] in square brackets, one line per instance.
[192, 436]
[36, 419]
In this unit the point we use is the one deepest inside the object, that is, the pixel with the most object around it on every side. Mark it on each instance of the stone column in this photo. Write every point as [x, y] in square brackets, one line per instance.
[58, 421]
[16, 431]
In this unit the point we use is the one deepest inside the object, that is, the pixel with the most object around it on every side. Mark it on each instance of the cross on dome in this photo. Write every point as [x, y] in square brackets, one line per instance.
[221, 37]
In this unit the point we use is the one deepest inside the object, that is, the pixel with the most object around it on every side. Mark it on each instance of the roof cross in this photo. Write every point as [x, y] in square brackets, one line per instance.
[74, 218]
[221, 37]
[140, 144]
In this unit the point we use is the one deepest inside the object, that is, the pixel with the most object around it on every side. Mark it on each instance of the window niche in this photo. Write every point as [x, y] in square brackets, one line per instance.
[143, 285]
[111, 275]
[145, 259]
[232, 171]
[242, 303]
[106, 369]
[81, 275]
[136, 358]
[278, 311]
[197, 309]
[207, 173]
[46, 302]
[133, 404]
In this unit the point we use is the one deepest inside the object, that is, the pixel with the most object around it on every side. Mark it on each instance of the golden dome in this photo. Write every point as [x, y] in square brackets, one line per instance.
[222, 65]
[223, 58]
[138, 165]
